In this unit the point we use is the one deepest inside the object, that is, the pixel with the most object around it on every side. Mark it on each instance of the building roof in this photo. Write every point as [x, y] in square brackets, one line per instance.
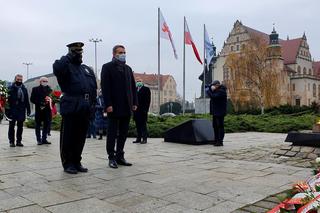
[38, 77]
[152, 79]
[316, 67]
[289, 48]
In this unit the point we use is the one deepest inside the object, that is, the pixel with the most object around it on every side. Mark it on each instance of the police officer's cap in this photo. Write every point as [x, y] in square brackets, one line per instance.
[75, 45]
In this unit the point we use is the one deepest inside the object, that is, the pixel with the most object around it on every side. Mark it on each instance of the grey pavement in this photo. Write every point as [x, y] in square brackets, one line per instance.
[165, 177]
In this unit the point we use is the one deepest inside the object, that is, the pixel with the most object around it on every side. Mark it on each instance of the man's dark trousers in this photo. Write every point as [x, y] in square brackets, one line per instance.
[71, 145]
[141, 124]
[117, 130]
[218, 127]
[19, 130]
[42, 116]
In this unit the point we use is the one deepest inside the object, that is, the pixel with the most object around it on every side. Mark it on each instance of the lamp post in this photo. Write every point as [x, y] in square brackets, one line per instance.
[95, 40]
[27, 64]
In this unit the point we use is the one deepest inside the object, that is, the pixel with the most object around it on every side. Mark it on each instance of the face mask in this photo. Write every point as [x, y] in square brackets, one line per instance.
[139, 84]
[44, 84]
[18, 83]
[121, 57]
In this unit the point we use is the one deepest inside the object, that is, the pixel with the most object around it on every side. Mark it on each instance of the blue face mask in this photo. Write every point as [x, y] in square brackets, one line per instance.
[121, 57]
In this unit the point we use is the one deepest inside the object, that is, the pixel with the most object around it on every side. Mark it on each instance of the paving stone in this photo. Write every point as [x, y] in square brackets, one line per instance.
[175, 208]
[224, 207]
[28, 209]
[307, 149]
[149, 206]
[281, 152]
[92, 205]
[291, 154]
[312, 156]
[12, 203]
[265, 204]
[317, 151]
[302, 155]
[272, 199]
[296, 149]
[287, 147]
[255, 209]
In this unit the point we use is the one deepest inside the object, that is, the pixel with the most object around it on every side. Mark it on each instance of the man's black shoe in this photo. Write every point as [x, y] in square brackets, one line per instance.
[144, 141]
[80, 168]
[19, 144]
[113, 164]
[12, 145]
[218, 144]
[137, 141]
[123, 162]
[71, 170]
[46, 142]
[39, 143]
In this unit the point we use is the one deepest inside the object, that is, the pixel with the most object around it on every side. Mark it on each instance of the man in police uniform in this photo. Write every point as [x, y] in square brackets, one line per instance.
[78, 84]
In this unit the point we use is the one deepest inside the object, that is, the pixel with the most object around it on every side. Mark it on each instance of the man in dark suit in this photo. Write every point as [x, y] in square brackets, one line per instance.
[78, 84]
[140, 116]
[18, 106]
[218, 109]
[120, 98]
[40, 98]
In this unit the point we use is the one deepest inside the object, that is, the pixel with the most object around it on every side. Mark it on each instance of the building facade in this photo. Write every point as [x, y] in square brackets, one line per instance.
[299, 75]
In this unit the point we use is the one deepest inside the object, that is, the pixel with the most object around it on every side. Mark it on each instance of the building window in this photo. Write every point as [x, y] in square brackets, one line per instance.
[231, 48]
[314, 90]
[309, 102]
[297, 102]
[309, 71]
[304, 71]
[308, 86]
[299, 70]
[237, 38]
[293, 87]
[243, 46]
[238, 47]
[225, 74]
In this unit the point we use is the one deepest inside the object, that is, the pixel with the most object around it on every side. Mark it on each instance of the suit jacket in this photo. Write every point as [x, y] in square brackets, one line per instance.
[38, 96]
[218, 101]
[16, 108]
[144, 98]
[118, 88]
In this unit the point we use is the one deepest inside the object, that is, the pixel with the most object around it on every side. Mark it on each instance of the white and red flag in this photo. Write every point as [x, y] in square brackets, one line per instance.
[188, 40]
[166, 33]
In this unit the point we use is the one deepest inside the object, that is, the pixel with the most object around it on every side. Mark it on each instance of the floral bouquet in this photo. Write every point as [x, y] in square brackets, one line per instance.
[3, 98]
[55, 96]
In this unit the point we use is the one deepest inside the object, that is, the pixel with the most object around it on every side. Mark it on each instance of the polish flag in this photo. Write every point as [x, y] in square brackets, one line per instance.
[166, 34]
[188, 40]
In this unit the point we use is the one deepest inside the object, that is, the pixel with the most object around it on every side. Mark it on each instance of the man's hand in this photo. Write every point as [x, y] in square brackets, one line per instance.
[213, 88]
[109, 109]
[134, 108]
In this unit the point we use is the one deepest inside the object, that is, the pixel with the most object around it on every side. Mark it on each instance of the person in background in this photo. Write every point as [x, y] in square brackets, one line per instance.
[92, 125]
[100, 118]
[43, 104]
[120, 98]
[218, 109]
[18, 106]
[140, 116]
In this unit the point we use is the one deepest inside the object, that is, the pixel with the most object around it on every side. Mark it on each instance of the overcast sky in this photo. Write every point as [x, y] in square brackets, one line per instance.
[37, 31]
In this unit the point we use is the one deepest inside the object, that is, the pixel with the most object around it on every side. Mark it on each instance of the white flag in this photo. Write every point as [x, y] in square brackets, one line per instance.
[166, 34]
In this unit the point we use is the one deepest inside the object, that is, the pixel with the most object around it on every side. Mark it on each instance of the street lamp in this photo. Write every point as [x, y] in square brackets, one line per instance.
[27, 64]
[95, 40]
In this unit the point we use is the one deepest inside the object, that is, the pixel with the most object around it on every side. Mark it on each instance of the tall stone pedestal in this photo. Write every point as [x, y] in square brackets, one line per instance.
[202, 106]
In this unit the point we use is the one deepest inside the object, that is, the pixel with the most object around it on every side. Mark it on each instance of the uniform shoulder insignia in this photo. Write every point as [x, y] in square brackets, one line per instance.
[87, 70]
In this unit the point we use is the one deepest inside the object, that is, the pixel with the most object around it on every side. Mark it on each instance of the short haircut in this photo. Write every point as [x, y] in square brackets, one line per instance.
[18, 75]
[43, 78]
[114, 49]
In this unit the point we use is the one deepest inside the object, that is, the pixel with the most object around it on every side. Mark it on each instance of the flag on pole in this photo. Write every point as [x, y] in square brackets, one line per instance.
[166, 33]
[188, 40]
[208, 48]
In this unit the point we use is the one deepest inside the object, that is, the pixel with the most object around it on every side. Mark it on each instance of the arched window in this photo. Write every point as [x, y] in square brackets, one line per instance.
[314, 90]
[299, 70]
[304, 71]
[231, 48]
[310, 72]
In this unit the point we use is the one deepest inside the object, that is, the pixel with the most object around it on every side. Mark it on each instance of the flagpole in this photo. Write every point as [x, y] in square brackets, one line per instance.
[204, 69]
[159, 59]
[184, 65]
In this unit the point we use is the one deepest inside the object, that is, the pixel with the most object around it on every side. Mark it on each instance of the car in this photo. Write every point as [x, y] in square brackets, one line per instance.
[168, 114]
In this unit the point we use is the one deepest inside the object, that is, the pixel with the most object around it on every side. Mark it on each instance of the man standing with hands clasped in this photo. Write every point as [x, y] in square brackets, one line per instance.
[120, 98]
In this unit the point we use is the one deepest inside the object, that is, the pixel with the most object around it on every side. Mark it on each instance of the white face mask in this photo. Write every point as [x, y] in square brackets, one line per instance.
[44, 84]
